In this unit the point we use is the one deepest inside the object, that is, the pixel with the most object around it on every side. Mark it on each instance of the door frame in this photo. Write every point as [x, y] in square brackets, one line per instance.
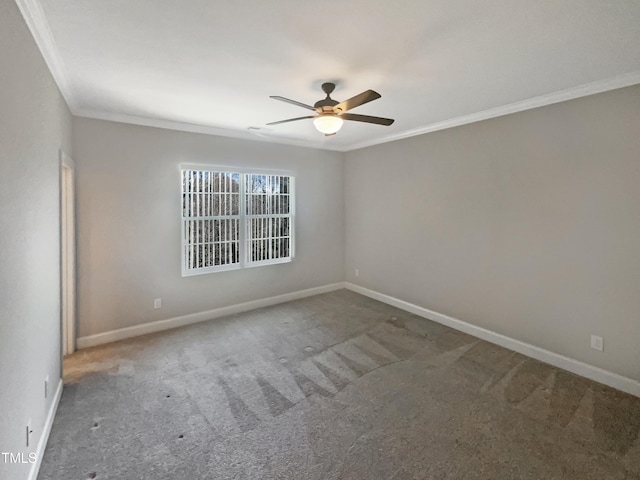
[67, 254]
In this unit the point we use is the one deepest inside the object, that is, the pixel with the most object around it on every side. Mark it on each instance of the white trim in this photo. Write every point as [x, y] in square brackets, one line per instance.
[37, 22]
[160, 325]
[67, 254]
[46, 430]
[575, 366]
[236, 169]
[204, 129]
[66, 160]
[601, 86]
[621, 81]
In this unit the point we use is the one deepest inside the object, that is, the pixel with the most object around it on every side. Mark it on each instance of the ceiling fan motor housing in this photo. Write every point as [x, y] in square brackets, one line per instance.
[331, 113]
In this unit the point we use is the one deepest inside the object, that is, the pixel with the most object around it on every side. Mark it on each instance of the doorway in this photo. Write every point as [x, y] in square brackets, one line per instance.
[68, 253]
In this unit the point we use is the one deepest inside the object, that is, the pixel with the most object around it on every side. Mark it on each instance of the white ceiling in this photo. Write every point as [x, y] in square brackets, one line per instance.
[210, 66]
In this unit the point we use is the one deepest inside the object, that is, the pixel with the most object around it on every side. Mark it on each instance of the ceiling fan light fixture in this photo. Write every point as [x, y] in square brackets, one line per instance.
[330, 114]
[328, 124]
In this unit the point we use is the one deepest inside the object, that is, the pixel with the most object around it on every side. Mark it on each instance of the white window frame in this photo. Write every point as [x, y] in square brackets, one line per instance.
[244, 220]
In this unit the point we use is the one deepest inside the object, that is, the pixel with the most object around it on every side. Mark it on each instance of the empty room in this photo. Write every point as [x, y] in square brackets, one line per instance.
[336, 240]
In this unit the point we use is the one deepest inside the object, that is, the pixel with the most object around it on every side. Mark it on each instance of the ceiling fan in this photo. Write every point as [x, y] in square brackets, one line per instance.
[331, 113]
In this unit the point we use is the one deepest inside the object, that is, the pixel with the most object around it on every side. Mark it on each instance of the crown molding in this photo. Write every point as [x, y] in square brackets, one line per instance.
[36, 21]
[248, 134]
[626, 80]
[593, 88]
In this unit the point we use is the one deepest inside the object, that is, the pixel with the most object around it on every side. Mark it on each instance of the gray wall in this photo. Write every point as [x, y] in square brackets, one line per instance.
[527, 225]
[34, 125]
[128, 200]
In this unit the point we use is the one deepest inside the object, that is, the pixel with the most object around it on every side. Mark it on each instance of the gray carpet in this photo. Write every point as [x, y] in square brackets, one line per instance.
[336, 386]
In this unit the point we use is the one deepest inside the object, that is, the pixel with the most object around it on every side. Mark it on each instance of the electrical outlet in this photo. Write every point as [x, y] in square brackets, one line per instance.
[157, 303]
[357, 272]
[597, 343]
[46, 386]
[29, 431]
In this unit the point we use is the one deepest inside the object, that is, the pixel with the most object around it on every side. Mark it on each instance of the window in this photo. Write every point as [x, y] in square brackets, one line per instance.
[235, 219]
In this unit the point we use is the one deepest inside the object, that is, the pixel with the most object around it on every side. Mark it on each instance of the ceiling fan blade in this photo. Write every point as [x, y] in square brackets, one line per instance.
[293, 102]
[353, 102]
[291, 120]
[367, 119]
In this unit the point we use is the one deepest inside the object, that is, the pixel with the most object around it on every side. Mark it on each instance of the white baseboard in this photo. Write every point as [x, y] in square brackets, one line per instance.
[46, 430]
[160, 325]
[597, 374]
